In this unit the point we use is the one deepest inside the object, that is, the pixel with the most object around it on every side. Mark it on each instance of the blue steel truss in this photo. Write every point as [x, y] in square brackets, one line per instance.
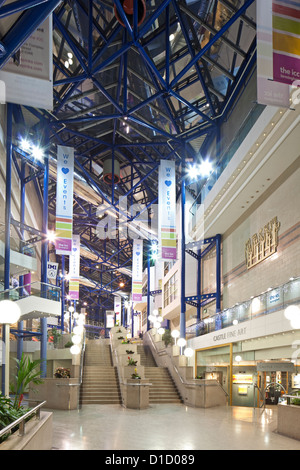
[135, 94]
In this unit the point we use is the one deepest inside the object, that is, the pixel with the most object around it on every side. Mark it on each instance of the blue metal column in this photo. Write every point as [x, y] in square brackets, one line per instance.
[22, 220]
[183, 305]
[199, 285]
[44, 260]
[218, 273]
[7, 219]
[148, 289]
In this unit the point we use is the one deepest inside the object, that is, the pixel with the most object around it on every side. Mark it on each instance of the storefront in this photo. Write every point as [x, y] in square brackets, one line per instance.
[246, 380]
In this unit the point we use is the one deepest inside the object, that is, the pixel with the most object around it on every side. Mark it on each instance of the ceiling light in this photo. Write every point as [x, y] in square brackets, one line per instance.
[70, 55]
[172, 37]
[67, 64]
[25, 144]
[205, 168]
[37, 153]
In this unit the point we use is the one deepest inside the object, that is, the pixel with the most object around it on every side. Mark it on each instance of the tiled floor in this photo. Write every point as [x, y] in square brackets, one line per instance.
[168, 427]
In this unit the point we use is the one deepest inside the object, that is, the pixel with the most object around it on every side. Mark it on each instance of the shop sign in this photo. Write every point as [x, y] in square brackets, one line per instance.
[230, 335]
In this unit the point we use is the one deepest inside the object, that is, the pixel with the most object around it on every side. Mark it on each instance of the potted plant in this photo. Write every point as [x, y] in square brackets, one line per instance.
[128, 351]
[27, 373]
[62, 373]
[9, 413]
[54, 335]
[135, 375]
[167, 338]
[131, 362]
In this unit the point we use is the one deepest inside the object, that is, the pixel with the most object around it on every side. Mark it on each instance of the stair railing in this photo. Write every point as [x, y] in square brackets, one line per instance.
[183, 381]
[114, 355]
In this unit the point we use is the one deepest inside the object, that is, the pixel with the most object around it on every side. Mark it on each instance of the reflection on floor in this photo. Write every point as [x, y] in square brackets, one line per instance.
[168, 427]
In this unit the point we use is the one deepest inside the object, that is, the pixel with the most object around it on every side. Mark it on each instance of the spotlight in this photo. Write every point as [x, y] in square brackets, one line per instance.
[205, 168]
[37, 153]
[25, 145]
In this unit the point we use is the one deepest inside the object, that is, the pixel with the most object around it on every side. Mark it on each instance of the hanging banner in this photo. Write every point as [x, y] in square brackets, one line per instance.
[137, 270]
[28, 76]
[269, 92]
[286, 40]
[64, 200]
[117, 309]
[52, 270]
[167, 210]
[74, 269]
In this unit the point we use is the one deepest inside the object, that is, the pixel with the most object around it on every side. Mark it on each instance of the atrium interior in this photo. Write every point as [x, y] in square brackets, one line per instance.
[149, 225]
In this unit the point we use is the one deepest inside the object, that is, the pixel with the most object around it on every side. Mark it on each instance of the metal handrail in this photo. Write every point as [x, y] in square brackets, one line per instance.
[183, 381]
[21, 421]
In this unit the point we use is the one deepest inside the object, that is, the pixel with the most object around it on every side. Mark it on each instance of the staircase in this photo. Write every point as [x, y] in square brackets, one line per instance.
[99, 381]
[163, 389]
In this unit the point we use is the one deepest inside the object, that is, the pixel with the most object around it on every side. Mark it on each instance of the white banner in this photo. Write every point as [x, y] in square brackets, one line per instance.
[74, 268]
[167, 210]
[64, 200]
[110, 318]
[52, 270]
[137, 270]
[30, 81]
[117, 309]
[269, 92]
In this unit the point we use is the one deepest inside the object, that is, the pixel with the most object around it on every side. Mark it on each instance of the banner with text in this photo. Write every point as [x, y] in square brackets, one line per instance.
[137, 270]
[167, 210]
[52, 270]
[269, 92]
[28, 75]
[286, 41]
[74, 268]
[64, 200]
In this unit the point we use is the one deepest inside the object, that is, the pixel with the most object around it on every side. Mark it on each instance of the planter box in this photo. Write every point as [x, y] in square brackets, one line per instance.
[288, 420]
[38, 435]
[137, 394]
[204, 394]
[60, 394]
[129, 370]
[123, 359]
[122, 349]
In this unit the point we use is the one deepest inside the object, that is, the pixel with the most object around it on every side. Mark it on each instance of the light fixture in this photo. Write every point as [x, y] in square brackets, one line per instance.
[75, 349]
[292, 313]
[78, 329]
[156, 324]
[205, 168]
[122, 284]
[76, 339]
[71, 309]
[37, 152]
[238, 358]
[175, 334]
[51, 236]
[9, 312]
[188, 352]
[25, 145]
[160, 331]
[181, 342]
[155, 312]
[172, 37]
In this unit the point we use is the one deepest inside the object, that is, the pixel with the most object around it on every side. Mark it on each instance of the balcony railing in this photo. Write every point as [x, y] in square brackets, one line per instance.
[38, 289]
[274, 299]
